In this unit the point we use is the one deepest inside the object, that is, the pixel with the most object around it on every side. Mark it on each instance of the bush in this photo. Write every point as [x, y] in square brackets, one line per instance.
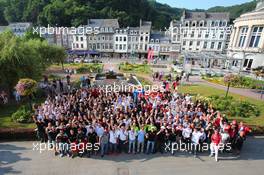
[90, 68]
[22, 115]
[231, 106]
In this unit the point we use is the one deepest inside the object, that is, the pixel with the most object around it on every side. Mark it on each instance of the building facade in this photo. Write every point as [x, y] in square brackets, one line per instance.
[201, 31]
[246, 47]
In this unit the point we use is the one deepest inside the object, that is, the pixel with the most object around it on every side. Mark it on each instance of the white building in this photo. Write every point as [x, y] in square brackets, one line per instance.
[246, 47]
[121, 42]
[144, 38]
[201, 31]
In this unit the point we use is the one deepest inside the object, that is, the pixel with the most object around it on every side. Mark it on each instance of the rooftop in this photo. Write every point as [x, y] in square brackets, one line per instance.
[103, 23]
[205, 16]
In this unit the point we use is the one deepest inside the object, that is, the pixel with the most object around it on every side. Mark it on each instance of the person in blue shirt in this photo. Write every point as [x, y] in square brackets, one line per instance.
[141, 140]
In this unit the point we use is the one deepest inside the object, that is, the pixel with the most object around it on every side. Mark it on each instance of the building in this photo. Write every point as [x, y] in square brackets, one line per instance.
[144, 38]
[133, 41]
[246, 47]
[160, 44]
[175, 37]
[102, 41]
[201, 31]
[121, 42]
[18, 28]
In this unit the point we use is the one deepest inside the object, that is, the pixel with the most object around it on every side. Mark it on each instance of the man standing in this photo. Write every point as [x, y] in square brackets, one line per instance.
[141, 140]
[151, 136]
[104, 139]
[132, 141]
[215, 140]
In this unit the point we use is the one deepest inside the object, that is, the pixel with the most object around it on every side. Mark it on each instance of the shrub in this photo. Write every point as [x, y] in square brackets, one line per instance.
[90, 68]
[231, 106]
[26, 87]
[22, 115]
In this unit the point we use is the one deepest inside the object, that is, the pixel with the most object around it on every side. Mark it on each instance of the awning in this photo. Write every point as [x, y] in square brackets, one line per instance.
[83, 52]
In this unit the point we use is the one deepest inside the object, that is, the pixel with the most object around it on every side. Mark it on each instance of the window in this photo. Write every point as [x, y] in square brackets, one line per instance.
[212, 45]
[77, 39]
[81, 38]
[141, 38]
[120, 46]
[146, 39]
[81, 45]
[243, 35]
[124, 47]
[192, 35]
[120, 38]
[116, 38]
[184, 43]
[116, 46]
[255, 36]
[219, 46]
[198, 43]
[191, 43]
[125, 38]
[205, 45]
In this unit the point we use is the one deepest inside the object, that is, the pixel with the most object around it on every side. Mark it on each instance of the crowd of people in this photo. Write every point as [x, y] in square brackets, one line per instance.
[133, 123]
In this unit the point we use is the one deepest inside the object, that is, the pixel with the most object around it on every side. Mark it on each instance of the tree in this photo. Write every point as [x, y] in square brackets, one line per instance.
[23, 57]
[26, 87]
[228, 79]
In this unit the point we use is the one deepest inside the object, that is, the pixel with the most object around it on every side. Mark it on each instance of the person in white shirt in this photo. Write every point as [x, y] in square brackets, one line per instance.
[186, 135]
[132, 141]
[122, 135]
[113, 140]
[196, 136]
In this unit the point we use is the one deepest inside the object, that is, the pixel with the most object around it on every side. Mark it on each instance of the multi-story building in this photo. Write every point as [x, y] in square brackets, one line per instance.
[160, 44]
[246, 47]
[80, 40]
[201, 31]
[144, 38]
[121, 42]
[102, 41]
[133, 41]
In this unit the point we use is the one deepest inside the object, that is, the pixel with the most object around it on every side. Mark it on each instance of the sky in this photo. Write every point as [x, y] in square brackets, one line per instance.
[201, 4]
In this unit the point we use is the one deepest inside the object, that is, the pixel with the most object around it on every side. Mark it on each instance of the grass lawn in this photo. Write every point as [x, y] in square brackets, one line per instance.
[205, 90]
[7, 111]
[5, 117]
[135, 68]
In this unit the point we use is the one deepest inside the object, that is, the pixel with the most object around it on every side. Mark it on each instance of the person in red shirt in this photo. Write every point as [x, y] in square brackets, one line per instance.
[214, 147]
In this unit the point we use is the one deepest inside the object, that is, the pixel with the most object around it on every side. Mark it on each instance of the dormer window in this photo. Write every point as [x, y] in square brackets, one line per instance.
[187, 24]
[157, 40]
[152, 40]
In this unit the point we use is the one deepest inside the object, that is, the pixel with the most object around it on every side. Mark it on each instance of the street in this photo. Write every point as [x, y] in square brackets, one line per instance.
[19, 158]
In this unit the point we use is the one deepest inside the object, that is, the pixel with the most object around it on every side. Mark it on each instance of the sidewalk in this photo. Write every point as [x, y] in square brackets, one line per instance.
[244, 92]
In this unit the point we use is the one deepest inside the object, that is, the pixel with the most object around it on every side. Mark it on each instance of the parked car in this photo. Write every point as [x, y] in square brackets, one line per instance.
[78, 60]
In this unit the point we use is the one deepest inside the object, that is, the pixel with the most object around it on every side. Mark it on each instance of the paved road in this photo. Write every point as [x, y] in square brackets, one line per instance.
[244, 92]
[19, 158]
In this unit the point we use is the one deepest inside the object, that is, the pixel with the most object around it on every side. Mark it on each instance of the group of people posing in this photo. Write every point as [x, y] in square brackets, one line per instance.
[133, 123]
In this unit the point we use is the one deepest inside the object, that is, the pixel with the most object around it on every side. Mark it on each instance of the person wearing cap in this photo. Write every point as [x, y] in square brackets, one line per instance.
[214, 147]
